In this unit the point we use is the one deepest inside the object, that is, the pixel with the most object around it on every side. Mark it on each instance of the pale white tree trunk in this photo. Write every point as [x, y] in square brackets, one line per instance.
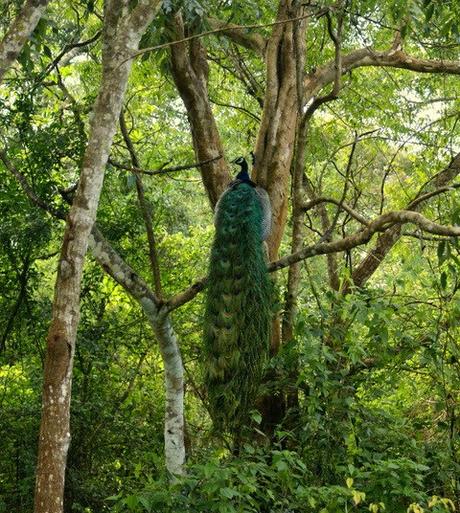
[18, 33]
[174, 392]
[160, 321]
[174, 387]
[122, 32]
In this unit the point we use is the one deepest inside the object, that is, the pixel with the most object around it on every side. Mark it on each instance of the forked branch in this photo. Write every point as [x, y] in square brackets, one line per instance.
[359, 238]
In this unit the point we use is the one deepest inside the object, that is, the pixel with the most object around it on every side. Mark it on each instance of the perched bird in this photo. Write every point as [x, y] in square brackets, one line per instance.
[243, 175]
[238, 310]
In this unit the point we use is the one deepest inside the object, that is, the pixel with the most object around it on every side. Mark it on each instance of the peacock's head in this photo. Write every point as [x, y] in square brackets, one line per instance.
[243, 174]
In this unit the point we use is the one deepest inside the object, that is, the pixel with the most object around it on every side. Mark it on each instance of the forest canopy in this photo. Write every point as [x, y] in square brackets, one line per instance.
[120, 122]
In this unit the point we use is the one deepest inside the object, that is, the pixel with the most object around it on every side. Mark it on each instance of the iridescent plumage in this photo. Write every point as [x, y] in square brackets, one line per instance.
[238, 304]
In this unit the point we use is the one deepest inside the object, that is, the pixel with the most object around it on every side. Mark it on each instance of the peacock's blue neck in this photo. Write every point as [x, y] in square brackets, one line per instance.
[243, 175]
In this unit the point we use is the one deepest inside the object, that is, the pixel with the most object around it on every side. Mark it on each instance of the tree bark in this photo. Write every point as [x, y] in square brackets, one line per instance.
[121, 38]
[190, 72]
[275, 140]
[158, 316]
[20, 30]
[174, 389]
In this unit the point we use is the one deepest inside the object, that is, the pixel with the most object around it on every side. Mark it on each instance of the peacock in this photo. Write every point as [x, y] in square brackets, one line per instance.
[238, 307]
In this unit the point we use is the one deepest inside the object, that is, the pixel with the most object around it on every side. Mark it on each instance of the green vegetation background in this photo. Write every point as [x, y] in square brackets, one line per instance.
[378, 371]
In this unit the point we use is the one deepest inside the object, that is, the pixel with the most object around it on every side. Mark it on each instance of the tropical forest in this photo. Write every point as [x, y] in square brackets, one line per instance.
[229, 256]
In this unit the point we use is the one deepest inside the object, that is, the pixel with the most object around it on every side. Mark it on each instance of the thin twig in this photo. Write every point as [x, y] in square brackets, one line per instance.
[346, 182]
[146, 213]
[236, 107]
[27, 189]
[312, 203]
[334, 94]
[67, 49]
[429, 195]
[221, 29]
[162, 170]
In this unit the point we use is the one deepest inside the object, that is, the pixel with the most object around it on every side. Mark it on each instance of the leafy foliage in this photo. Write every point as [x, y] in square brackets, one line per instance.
[372, 376]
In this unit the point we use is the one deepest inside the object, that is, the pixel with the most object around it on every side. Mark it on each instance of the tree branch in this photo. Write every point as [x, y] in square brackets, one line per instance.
[393, 58]
[359, 238]
[123, 274]
[387, 240]
[27, 189]
[190, 71]
[312, 108]
[162, 170]
[230, 30]
[362, 237]
[67, 48]
[253, 41]
[187, 295]
[146, 213]
[424, 197]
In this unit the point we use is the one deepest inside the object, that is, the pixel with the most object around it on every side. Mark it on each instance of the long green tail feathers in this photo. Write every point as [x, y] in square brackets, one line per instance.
[238, 307]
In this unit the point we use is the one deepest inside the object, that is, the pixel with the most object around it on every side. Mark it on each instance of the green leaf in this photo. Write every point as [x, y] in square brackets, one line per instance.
[441, 252]
[256, 417]
[146, 503]
[229, 493]
[131, 501]
[429, 12]
[443, 280]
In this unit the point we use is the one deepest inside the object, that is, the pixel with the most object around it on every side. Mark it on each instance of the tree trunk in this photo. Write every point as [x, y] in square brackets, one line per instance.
[20, 30]
[275, 140]
[159, 319]
[190, 72]
[174, 393]
[285, 55]
[121, 38]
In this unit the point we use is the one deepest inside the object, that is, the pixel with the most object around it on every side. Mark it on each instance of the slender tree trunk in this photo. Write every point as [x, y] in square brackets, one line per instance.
[293, 281]
[161, 324]
[159, 319]
[121, 38]
[20, 30]
[174, 392]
